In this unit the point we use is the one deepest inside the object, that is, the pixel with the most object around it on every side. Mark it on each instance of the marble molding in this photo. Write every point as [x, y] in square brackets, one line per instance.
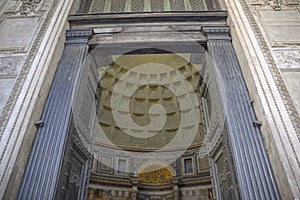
[17, 113]
[273, 104]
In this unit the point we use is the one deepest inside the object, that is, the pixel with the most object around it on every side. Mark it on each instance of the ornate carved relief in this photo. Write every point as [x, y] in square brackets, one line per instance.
[17, 7]
[288, 58]
[9, 66]
[28, 6]
[275, 4]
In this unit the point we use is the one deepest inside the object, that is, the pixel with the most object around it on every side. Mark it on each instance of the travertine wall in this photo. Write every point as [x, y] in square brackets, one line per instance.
[264, 31]
[32, 38]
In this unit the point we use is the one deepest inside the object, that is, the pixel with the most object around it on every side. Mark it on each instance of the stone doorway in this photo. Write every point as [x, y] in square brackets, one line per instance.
[76, 83]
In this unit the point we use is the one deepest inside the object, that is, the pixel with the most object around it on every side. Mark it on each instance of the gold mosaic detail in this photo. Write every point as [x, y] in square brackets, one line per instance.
[155, 174]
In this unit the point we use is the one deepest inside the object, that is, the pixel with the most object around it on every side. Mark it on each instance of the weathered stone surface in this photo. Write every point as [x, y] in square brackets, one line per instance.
[281, 26]
[8, 6]
[10, 66]
[292, 80]
[272, 102]
[18, 33]
[5, 89]
[31, 88]
[288, 60]
[284, 16]
[279, 33]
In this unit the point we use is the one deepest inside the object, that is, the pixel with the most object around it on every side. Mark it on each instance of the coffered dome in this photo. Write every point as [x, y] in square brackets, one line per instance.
[149, 99]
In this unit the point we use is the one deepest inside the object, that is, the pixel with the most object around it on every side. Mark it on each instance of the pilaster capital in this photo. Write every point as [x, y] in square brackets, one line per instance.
[78, 36]
[216, 32]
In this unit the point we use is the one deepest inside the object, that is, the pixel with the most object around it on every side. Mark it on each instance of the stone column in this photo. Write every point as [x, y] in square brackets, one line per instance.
[43, 168]
[252, 168]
